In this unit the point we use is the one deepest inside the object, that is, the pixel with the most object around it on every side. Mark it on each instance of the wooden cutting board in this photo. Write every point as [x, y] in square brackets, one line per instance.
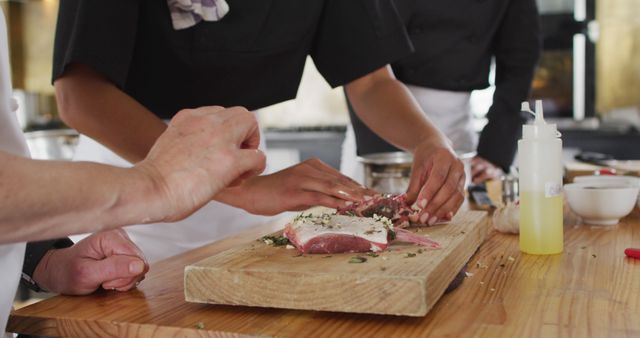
[403, 281]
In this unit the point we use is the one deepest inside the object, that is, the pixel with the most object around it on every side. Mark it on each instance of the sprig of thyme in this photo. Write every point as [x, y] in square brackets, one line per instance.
[275, 240]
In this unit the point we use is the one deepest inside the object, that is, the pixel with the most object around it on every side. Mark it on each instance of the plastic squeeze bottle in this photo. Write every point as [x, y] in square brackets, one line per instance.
[540, 168]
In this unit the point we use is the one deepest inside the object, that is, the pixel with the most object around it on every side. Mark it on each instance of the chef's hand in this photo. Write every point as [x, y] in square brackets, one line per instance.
[307, 184]
[437, 182]
[108, 259]
[483, 170]
[202, 151]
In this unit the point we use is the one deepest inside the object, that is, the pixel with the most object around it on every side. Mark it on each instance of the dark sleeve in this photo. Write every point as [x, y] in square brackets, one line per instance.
[356, 37]
[33, 255]
[517, 49]
[97, 33]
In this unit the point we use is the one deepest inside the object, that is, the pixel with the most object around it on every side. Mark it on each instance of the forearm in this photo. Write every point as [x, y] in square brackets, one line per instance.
[98, 109]
[387, 107]
[49, 199]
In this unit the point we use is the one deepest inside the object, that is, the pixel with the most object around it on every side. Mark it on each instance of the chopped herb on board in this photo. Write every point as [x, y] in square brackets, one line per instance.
[409, 254]
[372, 254]
[275, 240]
[357, 259]
[199, 325]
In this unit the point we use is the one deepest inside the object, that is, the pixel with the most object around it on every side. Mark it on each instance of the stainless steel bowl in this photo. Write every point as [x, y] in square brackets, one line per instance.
[57, 144]
[389, 173]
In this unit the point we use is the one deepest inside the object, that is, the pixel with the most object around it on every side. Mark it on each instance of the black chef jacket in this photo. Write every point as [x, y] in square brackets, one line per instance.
[454, 42]
[253, 57]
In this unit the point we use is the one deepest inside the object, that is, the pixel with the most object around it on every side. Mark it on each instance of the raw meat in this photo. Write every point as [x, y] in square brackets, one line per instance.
[393, 207]
[330, 234]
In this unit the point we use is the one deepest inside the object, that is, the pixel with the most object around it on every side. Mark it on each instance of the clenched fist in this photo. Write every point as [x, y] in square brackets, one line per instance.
[105, 259]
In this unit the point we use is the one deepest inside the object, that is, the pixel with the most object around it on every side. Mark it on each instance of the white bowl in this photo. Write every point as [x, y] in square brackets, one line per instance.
[622, 180]
[601, 203]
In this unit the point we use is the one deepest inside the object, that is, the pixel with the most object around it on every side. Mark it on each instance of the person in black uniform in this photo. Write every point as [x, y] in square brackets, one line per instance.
[120, 68]
[454, 44]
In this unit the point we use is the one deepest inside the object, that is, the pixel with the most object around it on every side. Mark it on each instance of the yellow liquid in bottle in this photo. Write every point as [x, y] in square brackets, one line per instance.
[540, 223]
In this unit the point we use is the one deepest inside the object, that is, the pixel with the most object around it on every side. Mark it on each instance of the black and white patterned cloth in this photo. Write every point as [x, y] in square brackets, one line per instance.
[187, 13]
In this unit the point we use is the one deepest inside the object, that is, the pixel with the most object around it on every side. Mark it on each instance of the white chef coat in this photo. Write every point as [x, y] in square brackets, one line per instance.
[157, 241]
[449, 111]
[11, 141]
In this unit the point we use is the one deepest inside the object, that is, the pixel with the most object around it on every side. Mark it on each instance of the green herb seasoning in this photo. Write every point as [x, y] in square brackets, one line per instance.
[275, 240]
[357, 259]
[409, 254]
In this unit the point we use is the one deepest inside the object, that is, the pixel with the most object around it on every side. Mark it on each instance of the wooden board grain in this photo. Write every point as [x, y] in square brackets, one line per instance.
[590, 290]
[395, 282]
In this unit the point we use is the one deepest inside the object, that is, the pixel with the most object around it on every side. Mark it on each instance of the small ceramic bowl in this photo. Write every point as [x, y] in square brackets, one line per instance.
[611, 179]
[601, 203]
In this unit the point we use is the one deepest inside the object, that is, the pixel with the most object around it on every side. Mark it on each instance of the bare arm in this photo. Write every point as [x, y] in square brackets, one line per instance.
[91, 104]
[184, 169]
[95, 107]
[386, 106]
[48, 199]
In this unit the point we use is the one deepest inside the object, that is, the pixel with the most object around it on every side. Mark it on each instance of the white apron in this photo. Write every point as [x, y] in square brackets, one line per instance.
[11, 141]
[449, 111]
[157, 241]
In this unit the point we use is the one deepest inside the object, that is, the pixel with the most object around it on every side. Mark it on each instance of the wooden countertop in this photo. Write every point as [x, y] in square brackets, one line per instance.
[589, 290]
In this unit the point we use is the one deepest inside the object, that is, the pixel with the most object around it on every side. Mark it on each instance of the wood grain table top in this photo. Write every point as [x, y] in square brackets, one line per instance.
[591, 289]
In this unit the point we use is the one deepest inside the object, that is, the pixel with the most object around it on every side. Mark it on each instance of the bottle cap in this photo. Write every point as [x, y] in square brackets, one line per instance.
[539, 128]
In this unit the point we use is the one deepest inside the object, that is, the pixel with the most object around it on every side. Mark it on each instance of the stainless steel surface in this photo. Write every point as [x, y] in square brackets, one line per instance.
[387, 158]
[35, 110]
[57, 144]
[510, 188]
[389, 173]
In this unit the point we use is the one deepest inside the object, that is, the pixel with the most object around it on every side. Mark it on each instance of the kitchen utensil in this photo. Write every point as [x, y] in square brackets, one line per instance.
[406, 280]
[389, 173]
[608, 161]
[510, 191]
[611, 179]
[601, 203]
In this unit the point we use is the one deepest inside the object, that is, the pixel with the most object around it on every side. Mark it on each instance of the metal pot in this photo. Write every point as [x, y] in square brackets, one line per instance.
[57, 144]
[389, 173]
